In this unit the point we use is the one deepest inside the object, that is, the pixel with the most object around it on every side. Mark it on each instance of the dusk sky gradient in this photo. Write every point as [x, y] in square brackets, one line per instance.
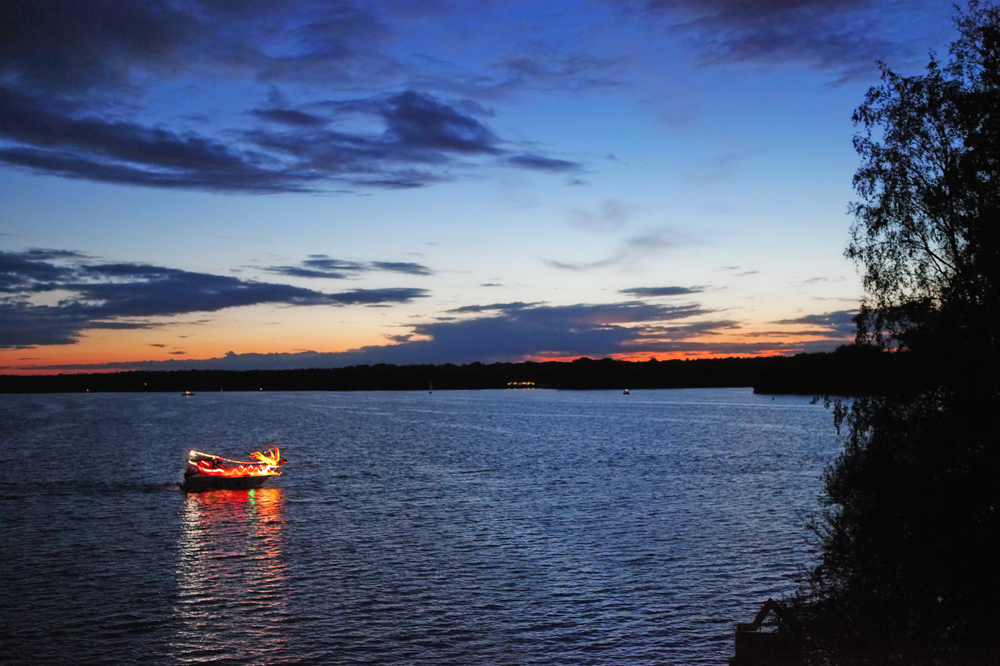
[254, 184]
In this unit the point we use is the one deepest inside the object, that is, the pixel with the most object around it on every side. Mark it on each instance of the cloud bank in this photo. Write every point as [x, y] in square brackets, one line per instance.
[50, 297]
[536, 331]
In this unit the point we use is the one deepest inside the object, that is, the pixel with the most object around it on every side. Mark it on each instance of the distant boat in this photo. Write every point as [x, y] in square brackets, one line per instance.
[430, 387]
[187, 394]
[208, 472]
[520, 385]
[625, 392]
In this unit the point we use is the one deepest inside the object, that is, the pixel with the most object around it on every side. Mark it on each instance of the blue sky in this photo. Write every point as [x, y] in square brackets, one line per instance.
[210, 183]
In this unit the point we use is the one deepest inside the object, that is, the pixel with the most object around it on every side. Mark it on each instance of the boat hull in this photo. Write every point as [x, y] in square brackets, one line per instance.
[197, 483]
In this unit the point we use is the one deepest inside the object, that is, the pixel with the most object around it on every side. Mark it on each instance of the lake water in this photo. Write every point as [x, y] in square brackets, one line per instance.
[466, 527]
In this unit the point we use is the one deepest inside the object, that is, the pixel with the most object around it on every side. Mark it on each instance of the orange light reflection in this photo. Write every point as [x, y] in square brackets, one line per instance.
[232, 557]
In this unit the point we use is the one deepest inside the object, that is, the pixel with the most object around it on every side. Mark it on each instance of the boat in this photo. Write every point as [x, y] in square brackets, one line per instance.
[210, 472]
[187, 394]
[625, 392]
[520, 385]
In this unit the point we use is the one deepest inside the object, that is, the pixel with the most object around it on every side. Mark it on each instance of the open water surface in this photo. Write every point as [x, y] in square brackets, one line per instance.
[465, 527]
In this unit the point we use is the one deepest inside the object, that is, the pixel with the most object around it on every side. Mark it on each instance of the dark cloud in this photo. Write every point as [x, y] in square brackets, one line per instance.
[611, 313]
[542, 163]
[419, 141]
[303, 272]
[336, 267]
[494, 307]
[515, 331]
[406, 267]
[23, 324]
[422, 141]
[418, 130]
[292, 117]
[419, 122]
[323, 266]
[688, 330]
[29, 270]
[80, 80]
[376, 296]
[653, 292]
[838, 324]
[124, 295]
[75, 78]
[54, 138]
[844, 36]
[73, 45]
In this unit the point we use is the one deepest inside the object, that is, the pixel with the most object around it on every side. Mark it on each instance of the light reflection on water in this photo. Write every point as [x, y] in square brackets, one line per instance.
[466, 527]
[232, 555]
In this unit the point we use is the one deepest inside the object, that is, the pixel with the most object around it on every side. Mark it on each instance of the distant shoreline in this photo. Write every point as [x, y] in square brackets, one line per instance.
[847, 371]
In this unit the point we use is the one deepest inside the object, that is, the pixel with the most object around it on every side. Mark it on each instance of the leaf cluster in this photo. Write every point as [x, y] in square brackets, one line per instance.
[926, 233]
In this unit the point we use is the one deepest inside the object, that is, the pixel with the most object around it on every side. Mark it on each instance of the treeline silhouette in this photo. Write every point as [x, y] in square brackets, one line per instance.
[850, 370]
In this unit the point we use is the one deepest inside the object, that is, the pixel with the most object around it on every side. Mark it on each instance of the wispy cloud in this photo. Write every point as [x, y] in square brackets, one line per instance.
[326, 267]
[630, 251]
[542, 163]
[611, 215]
[839, 324]
[654, 292]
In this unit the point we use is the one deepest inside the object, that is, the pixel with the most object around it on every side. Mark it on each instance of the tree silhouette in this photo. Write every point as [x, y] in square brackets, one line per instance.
[911, 524]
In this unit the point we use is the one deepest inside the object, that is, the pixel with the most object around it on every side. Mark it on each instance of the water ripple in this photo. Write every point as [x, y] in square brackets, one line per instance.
[466, 528]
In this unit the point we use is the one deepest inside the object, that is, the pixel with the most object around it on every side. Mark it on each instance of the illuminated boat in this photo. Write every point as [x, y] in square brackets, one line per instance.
[208, 472]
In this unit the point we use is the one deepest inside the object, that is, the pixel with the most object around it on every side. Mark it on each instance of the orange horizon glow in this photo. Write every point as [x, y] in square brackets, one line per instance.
[242, 330]
[29, 370]
[192, 343]
[63, 357]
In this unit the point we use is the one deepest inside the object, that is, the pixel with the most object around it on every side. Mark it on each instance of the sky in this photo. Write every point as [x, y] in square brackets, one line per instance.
[257, 185]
